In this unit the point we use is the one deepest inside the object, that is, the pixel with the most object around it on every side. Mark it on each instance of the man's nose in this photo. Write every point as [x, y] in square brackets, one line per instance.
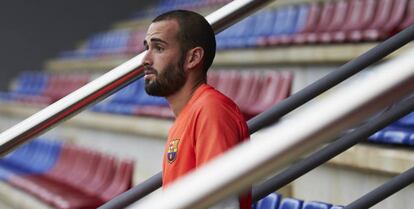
[147, 61]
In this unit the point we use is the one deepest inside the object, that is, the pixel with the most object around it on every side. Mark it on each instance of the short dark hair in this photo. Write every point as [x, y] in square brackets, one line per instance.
[194, 31]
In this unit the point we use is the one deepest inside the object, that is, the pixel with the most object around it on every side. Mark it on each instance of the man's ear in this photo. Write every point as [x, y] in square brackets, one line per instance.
[194, 57]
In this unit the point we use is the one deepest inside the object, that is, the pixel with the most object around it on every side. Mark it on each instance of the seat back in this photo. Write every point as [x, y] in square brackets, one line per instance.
[271, 201]
[291, 203]
[339, 16]
[408, 17]
[312, 18]
[316, 205]
[327, 15]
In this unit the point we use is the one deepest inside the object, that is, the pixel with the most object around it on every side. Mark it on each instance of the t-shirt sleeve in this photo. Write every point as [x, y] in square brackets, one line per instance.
[217, 130]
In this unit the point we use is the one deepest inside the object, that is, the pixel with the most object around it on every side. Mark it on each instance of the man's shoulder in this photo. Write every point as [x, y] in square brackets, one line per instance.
[214, 98]
[213, 101]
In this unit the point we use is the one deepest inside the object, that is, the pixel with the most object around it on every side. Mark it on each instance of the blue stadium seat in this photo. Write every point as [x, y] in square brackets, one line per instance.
[303, 12]
[411, 139]
[377, 137]
[263, 27]
[241, 32]
[291, 203]
[129, 99]
[36, 157]
[57, 173]
[291, 20]
[271, 201]
[31, 83]
[281, 15]
[337, 207]
[115, 41]
[408, 120]
[395, 135]
[316, 205]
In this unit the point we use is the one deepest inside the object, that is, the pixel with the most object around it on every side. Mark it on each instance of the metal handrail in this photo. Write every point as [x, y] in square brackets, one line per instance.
[109, 83]
[71, 104]
[126, 73]
[235, 170]
[336, 147]
[276, 112]
[382, 192]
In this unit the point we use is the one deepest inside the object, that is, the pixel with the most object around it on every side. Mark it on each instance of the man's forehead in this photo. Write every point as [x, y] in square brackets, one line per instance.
[165, 30]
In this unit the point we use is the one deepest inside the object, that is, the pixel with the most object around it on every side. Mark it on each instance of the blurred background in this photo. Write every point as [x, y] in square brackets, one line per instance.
[51, 48]
[32, 32]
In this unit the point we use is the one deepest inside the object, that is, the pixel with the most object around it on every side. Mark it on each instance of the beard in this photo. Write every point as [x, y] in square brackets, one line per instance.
[168, 82]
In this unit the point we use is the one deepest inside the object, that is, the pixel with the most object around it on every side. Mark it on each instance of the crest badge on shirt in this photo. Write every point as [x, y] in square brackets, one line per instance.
[172, 150]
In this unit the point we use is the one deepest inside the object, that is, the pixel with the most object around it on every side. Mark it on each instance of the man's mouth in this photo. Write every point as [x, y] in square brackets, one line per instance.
[149, 72]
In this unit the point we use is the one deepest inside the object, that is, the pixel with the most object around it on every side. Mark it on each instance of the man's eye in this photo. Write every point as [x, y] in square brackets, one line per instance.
[159, 48]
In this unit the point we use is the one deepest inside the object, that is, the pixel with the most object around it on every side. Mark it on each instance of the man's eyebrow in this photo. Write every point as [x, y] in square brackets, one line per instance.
[158, 40]
[155, 40]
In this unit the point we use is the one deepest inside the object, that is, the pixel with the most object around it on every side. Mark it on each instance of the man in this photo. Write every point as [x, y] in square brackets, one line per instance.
[180, 49]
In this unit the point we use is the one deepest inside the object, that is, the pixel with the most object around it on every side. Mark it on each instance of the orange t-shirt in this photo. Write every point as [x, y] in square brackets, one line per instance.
[208, 125]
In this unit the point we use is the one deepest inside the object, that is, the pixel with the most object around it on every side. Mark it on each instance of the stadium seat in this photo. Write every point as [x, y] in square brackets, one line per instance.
[249, 86]
[277, 87]
[367, 17]
[337, 207]
[291, 203]
[302, 15]
[271, 201]
[411, 139]
[406, 121]
[376, 137]
[285, 25]
[66, 176]
[388, 16]
[327, 14]
[408, 17]
[32, 83]
[263, 30]
[102, 176]
[234, 36]
[60, 85]
[242, 31]
[316, 205]
[121, 182]
[229, 81]
[310, 25]
[338, 19]
[354, 13]
[395, 135]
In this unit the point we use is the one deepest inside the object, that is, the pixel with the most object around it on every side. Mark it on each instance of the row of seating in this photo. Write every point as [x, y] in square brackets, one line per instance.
[394, 135]
[253, 91]
[400, 132]
[109, 43]
[45, 88]
[64, 175]
[51, 85]
[275, 201]
[130, 41]
[133, 100]
[326, 22]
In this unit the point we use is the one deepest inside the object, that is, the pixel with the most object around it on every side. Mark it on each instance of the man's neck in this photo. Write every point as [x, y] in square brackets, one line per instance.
[178, 100]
